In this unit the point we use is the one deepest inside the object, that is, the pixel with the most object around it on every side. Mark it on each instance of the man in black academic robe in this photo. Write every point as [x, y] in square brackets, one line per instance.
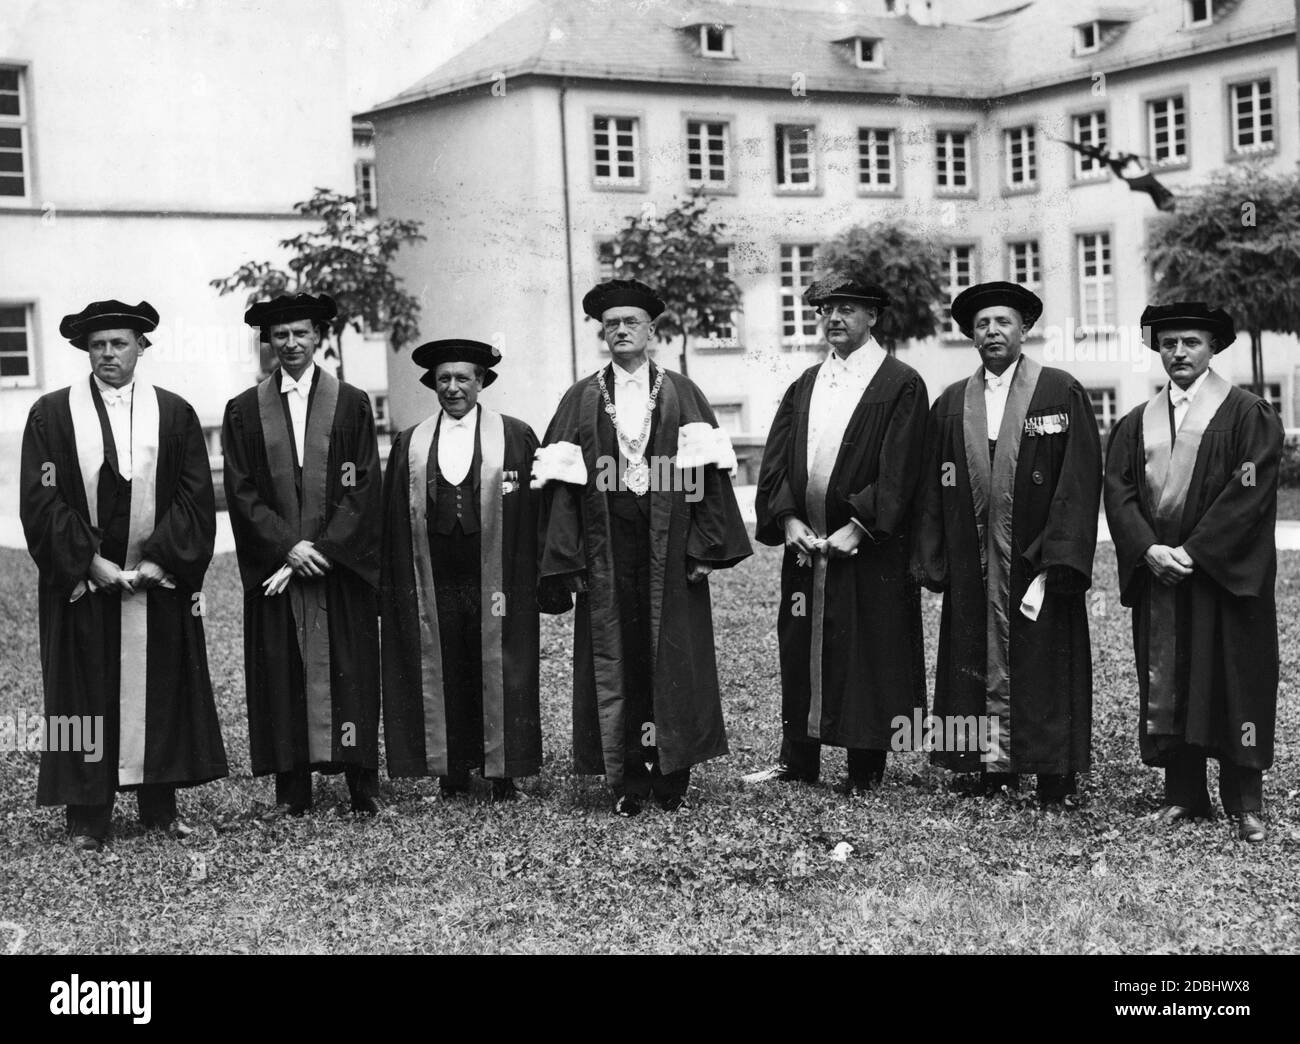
[458, 585]
[837, 488]
[1191, 499]
[303, 488]
[119, 515]
[1007, 532]
[638, 510]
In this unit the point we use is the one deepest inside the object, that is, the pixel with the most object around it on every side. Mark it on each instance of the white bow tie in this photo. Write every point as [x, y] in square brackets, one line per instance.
[288, 384]
[995, 381]
[622, 377]
[114, 398]
[461, 422]
[1178, 397]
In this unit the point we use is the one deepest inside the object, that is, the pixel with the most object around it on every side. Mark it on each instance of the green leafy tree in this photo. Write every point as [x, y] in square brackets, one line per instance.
[1235, 244]
[905, 265]
[350, 258]
[682, 255]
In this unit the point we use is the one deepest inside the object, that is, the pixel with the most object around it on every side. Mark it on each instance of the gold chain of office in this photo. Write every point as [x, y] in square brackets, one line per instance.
[637, 474]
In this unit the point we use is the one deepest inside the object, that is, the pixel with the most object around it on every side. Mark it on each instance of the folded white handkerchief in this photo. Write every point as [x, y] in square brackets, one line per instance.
[559, 462]
[1033, 600]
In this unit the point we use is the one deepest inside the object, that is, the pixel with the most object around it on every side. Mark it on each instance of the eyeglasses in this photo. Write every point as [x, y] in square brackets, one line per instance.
[845, 310]
[612, 325]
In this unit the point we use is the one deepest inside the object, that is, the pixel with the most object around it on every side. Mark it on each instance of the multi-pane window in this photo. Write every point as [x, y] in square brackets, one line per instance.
[1096, 280]
[795, 160]
[1272, 393]
[952, 160]
[1089, 129]
[1103, 407]
[708, 153]
[367, 190]
[961, 274]
[13, 134]
[616, 142]
[798, 320]
[1021, 157]
[730, 416]
[1023, 265]
[723, 335]
[15, 347]
[1251, 107]
[1167, 129]
[605, 260]
[875, 158]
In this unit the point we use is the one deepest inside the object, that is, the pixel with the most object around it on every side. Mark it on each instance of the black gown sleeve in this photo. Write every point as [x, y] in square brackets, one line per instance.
[885, 506]
[185, 533]
[60, 541]
[774, 500]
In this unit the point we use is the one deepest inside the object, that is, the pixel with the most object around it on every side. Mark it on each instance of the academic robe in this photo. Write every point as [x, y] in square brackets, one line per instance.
[138, 660]
[331, 623]
[987, 528]
[1208, 670]
[574, 532]
[416, 718]
[862, 614]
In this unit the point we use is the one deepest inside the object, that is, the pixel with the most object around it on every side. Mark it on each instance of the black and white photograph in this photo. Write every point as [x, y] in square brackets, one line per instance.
[757, 477]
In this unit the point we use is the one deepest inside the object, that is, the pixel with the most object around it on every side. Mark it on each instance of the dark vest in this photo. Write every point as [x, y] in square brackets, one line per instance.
[114, 493]
[455, 504]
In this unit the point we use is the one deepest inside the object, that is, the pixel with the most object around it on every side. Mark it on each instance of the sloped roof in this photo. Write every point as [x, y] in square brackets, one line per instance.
[1031, 47]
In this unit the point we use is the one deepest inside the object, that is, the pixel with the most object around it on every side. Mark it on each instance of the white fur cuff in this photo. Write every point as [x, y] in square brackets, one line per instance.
[700, 443]
[559, 462]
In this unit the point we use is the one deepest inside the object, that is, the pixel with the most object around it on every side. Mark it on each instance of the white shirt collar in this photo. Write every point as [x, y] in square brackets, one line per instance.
[302, 385]
[110, 394]
[861, 359]
[467, 421]
[1176, 394]
[1003, 380]
[639, 376]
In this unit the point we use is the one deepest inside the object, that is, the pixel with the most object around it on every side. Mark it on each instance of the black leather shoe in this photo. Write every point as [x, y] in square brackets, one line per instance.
[1171, 814]
[859, 785]
[86, 843]
[1250, 827]
[627, 806]
[365, 805]
[178, 829]
[450, 788]
[785, 774]
[503, 790]
[670, 802]
[281, 811]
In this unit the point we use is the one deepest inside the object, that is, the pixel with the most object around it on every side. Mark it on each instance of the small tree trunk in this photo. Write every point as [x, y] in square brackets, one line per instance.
[683, 355]
[1257, 361]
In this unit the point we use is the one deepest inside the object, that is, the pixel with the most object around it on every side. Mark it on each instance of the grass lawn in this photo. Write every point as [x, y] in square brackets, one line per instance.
[744, 868]
[1288, 502]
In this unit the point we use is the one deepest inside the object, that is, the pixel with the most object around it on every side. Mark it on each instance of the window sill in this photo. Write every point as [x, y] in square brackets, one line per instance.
[608, 186]
[1027, 189]
[795, 190]
[881, 192]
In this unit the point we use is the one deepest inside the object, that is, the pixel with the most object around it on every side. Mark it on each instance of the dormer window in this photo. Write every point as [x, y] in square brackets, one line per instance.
[715, 41]
[869, 53]
[1087, 38]
[1198, 13]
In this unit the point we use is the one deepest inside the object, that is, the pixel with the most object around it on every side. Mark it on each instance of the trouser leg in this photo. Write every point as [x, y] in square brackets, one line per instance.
[90, 820]
[157, 804]
[1055, 786]
[362, 782]
[630, 532]
[293, 788]
[802, 757]
[1241, 789]
[866, 767]
[1185, 781]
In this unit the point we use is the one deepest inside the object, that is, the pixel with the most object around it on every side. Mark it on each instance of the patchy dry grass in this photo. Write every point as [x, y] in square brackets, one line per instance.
[743, 869]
